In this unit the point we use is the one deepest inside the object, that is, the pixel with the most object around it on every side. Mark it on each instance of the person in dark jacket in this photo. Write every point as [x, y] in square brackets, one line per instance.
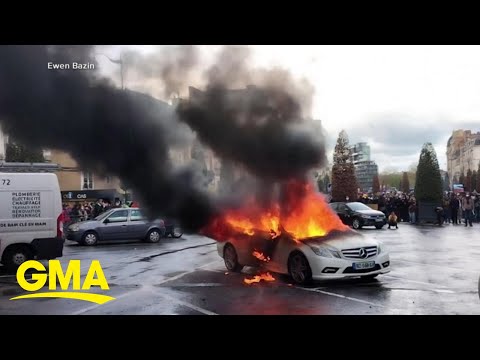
[454, 205]
[439, 211]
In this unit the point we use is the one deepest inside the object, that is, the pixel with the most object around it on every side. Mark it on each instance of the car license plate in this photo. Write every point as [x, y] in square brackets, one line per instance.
[379, 220]
[364, 265]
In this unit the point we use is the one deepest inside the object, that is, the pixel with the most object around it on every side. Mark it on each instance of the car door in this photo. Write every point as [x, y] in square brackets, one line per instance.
[137, 229]
[344, 214]
[115, 226]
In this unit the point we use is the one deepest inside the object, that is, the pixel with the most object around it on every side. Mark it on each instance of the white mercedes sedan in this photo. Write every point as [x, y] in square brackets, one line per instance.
[338, 255]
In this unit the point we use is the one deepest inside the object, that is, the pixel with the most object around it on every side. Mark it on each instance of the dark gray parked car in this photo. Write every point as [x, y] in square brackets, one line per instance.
[117, 224]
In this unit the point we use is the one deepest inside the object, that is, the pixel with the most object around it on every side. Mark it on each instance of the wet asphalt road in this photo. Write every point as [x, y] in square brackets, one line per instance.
[434, 271]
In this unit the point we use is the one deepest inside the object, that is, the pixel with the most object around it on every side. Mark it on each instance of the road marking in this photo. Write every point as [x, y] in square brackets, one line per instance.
[79, 312]
[93, 307]
[218, 271]
[440, 266]
[340, 296]
[186, 304]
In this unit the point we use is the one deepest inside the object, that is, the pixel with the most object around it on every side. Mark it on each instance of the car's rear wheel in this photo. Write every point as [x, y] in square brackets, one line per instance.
[177, 232]
[15, 256]
[379, 226]
[299, 268]
[153, 236]
[230, 258]
[90, 238]
[356, 224]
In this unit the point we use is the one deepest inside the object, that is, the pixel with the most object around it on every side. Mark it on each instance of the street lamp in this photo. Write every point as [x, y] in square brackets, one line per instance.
[120, 62]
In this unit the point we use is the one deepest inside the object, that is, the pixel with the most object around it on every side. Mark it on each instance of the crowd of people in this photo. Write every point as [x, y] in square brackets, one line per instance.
[75, 212]
[462, 208]
[458, 207]
[404, 206]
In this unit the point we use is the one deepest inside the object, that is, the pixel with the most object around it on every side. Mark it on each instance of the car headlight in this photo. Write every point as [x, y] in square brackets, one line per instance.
[380, 249]
[74, 228]
[325, 251]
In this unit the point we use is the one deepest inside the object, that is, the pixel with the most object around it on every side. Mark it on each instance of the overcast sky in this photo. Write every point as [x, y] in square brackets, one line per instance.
[394, 97]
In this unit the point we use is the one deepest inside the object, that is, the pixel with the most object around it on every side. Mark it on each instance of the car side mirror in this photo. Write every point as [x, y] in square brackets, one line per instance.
[106, 221]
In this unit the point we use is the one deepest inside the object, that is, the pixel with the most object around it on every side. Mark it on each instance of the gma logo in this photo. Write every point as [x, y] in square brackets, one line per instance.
[95, 277]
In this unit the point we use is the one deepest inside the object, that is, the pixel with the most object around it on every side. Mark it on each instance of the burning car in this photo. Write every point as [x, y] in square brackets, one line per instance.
[300, 236]
[334, 256]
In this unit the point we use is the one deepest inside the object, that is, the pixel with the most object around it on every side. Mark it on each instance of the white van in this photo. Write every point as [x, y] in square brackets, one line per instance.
[30, 218]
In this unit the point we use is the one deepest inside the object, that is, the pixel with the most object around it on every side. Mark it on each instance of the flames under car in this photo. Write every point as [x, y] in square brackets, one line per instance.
[337, 255]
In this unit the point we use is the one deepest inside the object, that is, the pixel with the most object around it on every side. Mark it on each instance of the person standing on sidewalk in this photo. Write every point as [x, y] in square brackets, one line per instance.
[467, 208]
[476, 207]
[454, 205]
[412, 209]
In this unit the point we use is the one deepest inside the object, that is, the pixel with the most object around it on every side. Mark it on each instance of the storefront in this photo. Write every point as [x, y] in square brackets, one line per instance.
[108, 195]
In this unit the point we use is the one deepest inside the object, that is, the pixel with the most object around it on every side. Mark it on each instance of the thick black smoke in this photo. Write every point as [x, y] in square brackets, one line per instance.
[129, 134]
[106, 129]
[259, 128]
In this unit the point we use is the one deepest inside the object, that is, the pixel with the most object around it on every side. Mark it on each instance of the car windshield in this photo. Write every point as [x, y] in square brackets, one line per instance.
[104, 215]
[357, 206]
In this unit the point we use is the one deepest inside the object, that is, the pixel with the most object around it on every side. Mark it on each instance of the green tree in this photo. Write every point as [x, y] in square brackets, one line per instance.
[376, 184]
[446, 182]
[391, 179]
[428, 183]
[405, 183]
[344, 182]
[468, 181]
[474, 180]
[16, 152]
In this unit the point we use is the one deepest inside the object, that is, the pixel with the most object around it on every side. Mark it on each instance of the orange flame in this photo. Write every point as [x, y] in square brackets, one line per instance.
[303, 213]
[261, 256]
[257, 278]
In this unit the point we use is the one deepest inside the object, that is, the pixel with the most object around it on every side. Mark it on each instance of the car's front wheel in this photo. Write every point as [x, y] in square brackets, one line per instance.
[90, 238]
[230, 258]
[356, 224]
[299, 268]
[379, 226]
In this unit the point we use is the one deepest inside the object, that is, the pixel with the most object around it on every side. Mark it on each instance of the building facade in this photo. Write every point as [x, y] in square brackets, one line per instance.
[365, 171]
[72, 178]
[463, 153]
[365, 168]
[360, 152]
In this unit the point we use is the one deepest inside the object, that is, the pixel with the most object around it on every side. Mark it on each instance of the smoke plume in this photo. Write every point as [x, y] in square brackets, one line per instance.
[167, 71]
[261, 129]
[104, 128]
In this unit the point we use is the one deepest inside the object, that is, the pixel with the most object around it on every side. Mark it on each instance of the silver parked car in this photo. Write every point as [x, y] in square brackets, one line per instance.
[117, 224]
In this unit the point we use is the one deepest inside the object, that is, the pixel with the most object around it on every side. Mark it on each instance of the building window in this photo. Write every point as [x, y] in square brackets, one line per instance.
[107, 179]
[87, 180]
